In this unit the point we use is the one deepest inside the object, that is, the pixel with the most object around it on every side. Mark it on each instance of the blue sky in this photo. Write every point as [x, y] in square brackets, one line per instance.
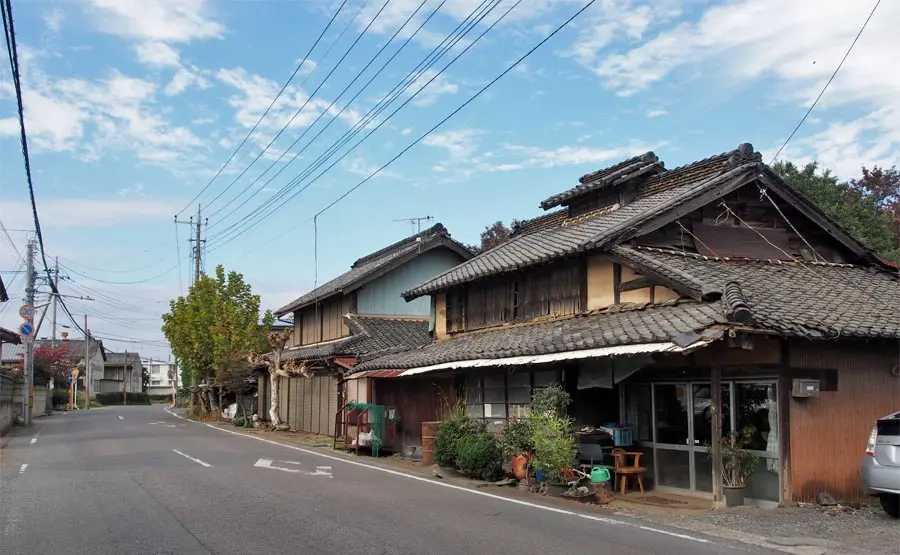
[132, 106]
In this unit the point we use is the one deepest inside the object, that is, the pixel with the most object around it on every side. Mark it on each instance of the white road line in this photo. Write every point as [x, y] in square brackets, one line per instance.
[33, 441]
[458, 488]
[22, 468]
[121, 418]
[190, 458]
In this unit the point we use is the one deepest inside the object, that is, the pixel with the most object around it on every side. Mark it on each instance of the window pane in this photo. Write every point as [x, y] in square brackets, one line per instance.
[494, 395]
[518, 379]
[756, 405]
[495, 410]
[519, 411]
[494, 381]
[703, 413]
[473, 396]
[543, 379]
[475, 411]
[764, 483]
[520, 395]
[671, 414]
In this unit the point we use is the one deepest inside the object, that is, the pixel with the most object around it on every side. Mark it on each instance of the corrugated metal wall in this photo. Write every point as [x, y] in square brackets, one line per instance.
[382, 296]
[309, 404]
[829, 433]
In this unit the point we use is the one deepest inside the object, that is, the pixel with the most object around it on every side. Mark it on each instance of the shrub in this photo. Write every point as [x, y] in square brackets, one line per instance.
[449, 432]
[239, 421]
[551, 400]
[60, 397]
[479, 456]
[554, 445]
[517, 437]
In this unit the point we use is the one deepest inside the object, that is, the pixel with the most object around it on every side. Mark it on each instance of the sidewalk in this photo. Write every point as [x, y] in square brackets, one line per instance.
[805, 530]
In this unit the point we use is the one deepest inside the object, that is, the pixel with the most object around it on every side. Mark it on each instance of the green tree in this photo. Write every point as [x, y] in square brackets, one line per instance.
[214, 328]
[863, 207]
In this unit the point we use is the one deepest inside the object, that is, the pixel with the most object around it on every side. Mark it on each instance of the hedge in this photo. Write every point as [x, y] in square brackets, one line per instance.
[115, 398]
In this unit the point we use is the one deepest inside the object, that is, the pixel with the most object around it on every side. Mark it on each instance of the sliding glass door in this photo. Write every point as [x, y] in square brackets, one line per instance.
[682, 433]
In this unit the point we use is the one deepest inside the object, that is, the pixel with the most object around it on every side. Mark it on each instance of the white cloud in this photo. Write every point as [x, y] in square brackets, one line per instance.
[53, 19]
[158, 54]
[792, 48]
[657, 113]
[183, 79]
[406, 131]
[433, 90]
[156, 20]
[536, 157]
[90, 117]
[459, 143]
[255, 93]
[94, 212]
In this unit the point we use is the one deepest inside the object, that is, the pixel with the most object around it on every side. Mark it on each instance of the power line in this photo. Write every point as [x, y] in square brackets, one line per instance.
[407, 81]
[135, 282]
[328, 110]
[274, 100]
[233, 231]
[13, 54]
[114, 270]
[830, 79]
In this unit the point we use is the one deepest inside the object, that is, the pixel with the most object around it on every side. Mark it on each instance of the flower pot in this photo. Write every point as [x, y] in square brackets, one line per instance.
[520, 467]
[734, 496]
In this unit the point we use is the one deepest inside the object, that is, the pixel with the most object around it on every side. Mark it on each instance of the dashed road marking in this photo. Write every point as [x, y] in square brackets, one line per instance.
[121, 418]
[190, 458]
[33, 441]
[22, 468]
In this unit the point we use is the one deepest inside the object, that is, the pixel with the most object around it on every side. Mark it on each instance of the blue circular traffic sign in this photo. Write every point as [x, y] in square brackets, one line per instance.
[26, 329]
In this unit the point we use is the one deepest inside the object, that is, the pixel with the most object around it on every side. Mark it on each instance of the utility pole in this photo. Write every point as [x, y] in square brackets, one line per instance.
[87, 365]
[125, 379]
[55, 298]
[30, 285]
[197, 248]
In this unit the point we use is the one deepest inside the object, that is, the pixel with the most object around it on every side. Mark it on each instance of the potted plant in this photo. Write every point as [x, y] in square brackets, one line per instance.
[554, 444]
[738, 465]
[517, 443]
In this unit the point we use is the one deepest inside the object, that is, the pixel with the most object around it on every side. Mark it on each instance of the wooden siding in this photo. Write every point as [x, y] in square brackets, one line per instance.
[309, 404]
[555, 290]
[829, 433]
[322, 322]
[419, 400]
[382, 295]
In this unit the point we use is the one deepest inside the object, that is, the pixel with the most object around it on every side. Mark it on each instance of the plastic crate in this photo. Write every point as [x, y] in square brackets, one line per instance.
[622, 437]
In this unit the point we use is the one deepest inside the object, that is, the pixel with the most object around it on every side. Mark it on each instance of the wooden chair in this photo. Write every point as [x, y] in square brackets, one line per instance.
[624, 470]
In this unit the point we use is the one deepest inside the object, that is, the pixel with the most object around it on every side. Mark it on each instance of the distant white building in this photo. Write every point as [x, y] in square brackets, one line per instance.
[162, 376]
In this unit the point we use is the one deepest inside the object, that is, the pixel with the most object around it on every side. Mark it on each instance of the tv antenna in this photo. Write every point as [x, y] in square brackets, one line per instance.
[416, 223]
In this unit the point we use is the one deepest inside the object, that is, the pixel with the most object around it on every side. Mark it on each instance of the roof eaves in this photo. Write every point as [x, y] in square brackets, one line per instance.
[811, 210]
[677, 207]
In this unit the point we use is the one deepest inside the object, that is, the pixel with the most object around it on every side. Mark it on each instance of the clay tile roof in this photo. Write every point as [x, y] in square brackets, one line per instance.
[813, 300]
[622, 325]
[377, 261]
[562, 237]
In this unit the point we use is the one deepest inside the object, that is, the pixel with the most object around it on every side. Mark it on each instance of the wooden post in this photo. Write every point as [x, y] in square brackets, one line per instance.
[716, 444]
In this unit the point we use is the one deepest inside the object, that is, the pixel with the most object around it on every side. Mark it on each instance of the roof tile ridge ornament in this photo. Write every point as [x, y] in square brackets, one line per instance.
[736, 306]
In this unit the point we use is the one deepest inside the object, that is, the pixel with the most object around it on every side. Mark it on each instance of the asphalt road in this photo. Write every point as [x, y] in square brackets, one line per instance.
[137, 480]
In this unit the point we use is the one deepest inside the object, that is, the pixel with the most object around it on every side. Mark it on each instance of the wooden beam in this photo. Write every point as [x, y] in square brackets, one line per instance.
[716, 444]
[636, 283]
[617, 282]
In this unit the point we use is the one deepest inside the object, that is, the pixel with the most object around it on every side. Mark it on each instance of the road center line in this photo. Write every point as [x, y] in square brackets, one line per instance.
[22, 468]
[121, 418]
[33, 441]
[190, 458]
[459, 488]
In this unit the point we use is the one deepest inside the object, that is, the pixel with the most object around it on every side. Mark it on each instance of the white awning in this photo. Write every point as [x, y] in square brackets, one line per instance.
[620, 350]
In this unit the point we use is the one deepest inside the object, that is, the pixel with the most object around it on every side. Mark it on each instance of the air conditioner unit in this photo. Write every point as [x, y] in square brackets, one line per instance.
[805, 388]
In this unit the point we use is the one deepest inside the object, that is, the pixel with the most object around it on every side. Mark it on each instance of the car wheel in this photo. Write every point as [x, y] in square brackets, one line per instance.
[891, 504]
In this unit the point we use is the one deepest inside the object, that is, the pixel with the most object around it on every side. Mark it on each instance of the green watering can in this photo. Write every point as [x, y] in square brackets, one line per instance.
[599, 474]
